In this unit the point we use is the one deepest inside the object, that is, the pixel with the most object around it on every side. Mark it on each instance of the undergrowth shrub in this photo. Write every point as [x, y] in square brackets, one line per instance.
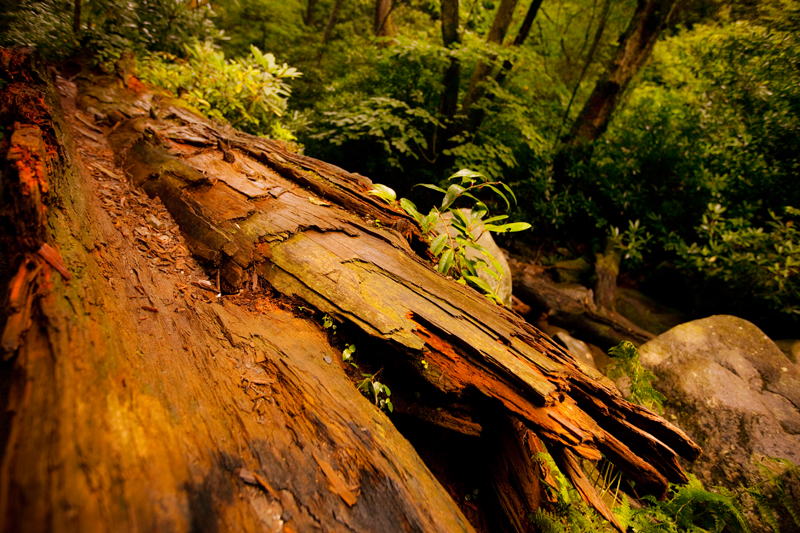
[251, 93]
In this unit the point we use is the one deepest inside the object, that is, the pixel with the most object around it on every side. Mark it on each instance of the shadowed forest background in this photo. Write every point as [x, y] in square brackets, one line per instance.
[691, 175]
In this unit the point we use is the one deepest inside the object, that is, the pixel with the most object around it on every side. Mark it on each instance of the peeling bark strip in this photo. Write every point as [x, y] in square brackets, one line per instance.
[208, 416]
[312, 241]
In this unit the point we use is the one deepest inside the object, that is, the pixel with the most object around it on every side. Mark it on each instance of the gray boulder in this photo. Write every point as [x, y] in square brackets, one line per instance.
[736, 394]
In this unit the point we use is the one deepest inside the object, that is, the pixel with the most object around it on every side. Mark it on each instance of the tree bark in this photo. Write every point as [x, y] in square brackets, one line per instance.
[383, 24]
[478, 115]
[522, 34]
[635, 46]
[332, 19]
[500, 24]
[138, 401]
[598, 35]
[310, 13]
[143, 400]
[76, 18]
[449, 102]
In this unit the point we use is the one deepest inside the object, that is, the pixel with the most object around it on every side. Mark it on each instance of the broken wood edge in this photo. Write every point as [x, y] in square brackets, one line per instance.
[569, 466]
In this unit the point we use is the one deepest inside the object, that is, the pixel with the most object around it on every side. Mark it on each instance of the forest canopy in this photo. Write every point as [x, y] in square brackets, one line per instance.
[692, 177]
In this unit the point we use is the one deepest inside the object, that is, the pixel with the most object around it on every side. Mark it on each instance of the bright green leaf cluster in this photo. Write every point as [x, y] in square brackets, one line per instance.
[378, 392]
[461, 226]
[251, 93]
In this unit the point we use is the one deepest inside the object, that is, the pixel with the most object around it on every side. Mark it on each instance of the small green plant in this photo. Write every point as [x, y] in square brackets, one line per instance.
[376, 391]
[625, 363]
[689, 508]
[251, 93]
[450, 244]
[327, 323]
[347, 353]
[568, 512]
[634, 242]
[775, 474]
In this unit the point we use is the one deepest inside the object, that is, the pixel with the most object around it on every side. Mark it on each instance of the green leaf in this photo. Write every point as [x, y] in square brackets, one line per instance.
[437, 245]
[409, 207]
[453, 192]
[466, 175]
[459, 214]
[348, 352]
[507, 228]
[501, 195]
[478, 282]
[446, 262]
[495, 219]
[429, 221]
[429, 186]
[384, 192]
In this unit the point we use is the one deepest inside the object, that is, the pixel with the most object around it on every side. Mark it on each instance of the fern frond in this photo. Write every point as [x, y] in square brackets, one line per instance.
[625, 362]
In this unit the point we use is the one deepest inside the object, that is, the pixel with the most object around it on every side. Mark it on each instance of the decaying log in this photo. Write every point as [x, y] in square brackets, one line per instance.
[309, 230]
[139, 402]
[576, 310]
[261, 214]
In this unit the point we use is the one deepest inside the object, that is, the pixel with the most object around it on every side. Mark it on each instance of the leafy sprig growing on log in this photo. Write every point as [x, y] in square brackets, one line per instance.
[376, 391]
[453, 231]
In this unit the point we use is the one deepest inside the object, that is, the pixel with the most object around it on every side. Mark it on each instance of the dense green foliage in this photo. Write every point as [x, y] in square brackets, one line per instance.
[695, 174]
[249, 92]
[625, 363]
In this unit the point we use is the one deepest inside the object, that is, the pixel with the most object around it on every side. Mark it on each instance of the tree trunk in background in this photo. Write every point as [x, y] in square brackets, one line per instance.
[449, 102]
[606, 269]
[76, 18]
[144, 397]
[500, 24]
[524, 30]
[308, 16]
[478, 115]
[337, 6]
[598, 36]
[383, 24]
[635, 46]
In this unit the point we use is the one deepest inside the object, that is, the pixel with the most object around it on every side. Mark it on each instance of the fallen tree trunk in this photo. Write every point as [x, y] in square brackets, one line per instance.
[576, 310]
[182, 412]
[141, 402]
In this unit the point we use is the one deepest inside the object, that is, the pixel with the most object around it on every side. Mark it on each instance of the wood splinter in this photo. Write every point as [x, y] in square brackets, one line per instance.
[54, 259]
